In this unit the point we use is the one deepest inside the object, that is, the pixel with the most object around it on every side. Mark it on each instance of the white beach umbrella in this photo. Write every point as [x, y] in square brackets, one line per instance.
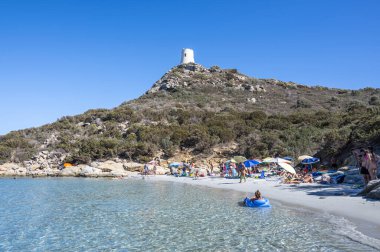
[276, 160]
[287, 167]
[300, 158]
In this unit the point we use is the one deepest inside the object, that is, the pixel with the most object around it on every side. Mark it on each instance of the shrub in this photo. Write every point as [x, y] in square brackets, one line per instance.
[374, 100]
[301, 103]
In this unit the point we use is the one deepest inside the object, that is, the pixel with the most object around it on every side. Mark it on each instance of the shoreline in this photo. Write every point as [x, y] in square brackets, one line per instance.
[335, 200]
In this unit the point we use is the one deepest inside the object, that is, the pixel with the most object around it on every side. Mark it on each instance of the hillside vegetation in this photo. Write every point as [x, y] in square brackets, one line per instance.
[211, 112]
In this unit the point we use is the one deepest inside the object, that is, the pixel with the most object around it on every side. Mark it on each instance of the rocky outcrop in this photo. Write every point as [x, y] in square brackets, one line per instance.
[374, 194]
[186, 75]
[174, 78]
[354, 179]
[372, 190]
[12, 169]
[42, 166]
[72, 171]
[45, 160]
[352, 176]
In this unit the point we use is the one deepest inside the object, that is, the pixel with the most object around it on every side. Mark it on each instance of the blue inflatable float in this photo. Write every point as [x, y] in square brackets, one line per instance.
[257, 203]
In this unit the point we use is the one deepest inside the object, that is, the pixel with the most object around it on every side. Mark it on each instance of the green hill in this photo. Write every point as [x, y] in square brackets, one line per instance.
[211, 112]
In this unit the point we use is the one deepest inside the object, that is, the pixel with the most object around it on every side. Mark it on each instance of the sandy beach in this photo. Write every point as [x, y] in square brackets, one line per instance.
[337, 200]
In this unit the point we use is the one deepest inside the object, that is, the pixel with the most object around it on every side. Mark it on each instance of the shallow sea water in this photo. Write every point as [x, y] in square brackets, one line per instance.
[77, 214]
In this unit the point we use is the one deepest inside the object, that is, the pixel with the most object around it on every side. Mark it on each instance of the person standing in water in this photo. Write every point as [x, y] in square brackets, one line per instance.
[146, 169]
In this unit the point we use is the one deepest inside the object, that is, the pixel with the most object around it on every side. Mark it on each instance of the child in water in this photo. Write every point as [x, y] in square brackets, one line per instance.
[257, 196]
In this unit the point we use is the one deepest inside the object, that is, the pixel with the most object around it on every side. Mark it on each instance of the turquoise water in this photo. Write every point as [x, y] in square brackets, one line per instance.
[73, 214]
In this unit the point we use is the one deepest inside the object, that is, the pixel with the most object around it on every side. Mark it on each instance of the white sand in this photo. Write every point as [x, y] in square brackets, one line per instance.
[338, 200]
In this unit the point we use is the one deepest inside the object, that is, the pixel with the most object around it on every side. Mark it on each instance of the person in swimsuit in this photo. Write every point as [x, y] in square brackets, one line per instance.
[371, 163]
[257, 196]
[363, 166]
[146, 169]
[242, 171]
[211, 166]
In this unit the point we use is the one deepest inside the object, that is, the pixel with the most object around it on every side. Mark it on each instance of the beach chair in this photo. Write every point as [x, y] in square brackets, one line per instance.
[262, 175]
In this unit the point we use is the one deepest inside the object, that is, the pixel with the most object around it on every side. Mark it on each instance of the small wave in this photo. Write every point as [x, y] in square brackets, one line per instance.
[348, 229]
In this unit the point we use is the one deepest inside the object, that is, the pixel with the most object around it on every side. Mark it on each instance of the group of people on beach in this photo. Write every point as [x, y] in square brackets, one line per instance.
[237, 170]
[301, 177]
[366, 161]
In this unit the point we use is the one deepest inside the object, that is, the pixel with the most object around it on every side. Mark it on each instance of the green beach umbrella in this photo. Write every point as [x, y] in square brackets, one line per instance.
[239, 159]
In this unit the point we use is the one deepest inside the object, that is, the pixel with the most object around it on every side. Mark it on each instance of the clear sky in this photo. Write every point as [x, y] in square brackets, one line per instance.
[63, 57]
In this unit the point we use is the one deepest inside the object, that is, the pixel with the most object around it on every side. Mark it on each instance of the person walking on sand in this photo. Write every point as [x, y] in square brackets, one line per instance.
[371, 160]
[211, 167]
[243, 171]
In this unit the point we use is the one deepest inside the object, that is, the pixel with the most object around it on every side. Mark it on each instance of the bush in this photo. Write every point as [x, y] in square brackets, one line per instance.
[374, 100]
[301, 103]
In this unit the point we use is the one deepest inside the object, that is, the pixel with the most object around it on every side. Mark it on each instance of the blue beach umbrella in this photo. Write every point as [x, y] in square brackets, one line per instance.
[288, 158]
[250, 163]
[311, 160]
[175, 164]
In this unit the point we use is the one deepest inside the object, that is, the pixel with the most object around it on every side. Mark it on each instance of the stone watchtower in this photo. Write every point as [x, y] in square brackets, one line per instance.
[187, 56]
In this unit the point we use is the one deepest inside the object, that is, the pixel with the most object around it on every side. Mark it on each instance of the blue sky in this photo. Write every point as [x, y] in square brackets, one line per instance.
[64, 57]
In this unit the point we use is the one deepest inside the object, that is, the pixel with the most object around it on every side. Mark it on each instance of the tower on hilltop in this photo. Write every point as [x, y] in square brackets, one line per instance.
[187, 56]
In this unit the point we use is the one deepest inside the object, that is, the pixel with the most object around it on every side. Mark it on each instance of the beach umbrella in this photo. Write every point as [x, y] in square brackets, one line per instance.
[300, 158]
[232, 161]
[175, 164]
[275, 160]
[239, 159]
[267, 160]
[287, 167]
[288, 158]
[310, 160]
[252, 162]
